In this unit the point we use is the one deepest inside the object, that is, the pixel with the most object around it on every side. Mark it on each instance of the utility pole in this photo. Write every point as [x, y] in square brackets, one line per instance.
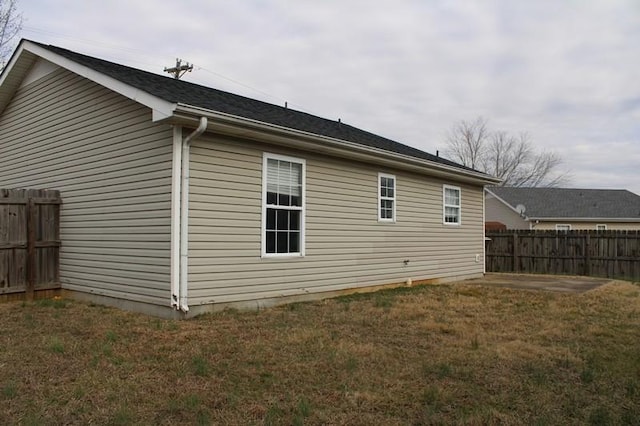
[179, 70]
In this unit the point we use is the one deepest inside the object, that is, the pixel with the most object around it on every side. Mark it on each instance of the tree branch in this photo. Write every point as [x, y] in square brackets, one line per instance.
[510, 158]
[10, 26]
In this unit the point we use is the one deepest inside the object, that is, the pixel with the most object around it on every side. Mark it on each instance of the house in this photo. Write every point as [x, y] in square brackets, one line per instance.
[178, 199]
[563, 209]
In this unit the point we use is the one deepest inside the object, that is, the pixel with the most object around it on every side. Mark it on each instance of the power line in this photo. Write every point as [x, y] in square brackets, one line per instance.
[138, 52]
[246, 86]
[82, 40]
[239, 83]
[153, 65]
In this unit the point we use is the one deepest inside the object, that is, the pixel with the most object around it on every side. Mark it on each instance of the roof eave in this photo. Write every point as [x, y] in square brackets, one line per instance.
[11, 77]
[267, 132]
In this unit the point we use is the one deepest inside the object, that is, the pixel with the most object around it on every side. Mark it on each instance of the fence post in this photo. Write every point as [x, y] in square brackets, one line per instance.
[587, 254]
[31, 248]
[516, 263]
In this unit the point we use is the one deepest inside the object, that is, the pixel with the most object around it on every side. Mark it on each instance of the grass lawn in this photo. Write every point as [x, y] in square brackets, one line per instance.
[454, 354]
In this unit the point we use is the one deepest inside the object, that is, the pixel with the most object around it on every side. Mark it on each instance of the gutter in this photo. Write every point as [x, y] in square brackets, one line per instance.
[180, 215]
[245, 127]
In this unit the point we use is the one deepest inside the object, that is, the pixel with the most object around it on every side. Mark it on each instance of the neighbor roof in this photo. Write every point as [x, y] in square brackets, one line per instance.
[552, 203]
[177, 91]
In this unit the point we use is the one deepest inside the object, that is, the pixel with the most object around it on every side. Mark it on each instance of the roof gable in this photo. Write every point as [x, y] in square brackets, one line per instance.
[29, 53]
[556, 203]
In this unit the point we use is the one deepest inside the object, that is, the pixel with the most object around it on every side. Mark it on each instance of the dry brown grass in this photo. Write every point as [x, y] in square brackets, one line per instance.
[441, 354]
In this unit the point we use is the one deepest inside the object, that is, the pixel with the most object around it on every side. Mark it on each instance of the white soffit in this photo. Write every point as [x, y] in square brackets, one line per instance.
[40, 69]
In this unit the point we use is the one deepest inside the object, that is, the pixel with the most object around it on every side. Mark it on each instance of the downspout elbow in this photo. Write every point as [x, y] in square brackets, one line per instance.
[202, 126]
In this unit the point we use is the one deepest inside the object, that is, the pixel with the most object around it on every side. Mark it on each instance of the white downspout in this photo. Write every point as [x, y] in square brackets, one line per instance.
[184, 215]
[484, 232]
[176, 180]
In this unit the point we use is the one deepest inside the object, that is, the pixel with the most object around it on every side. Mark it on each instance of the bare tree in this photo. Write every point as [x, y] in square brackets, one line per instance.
[511, 158]
[10, 26]
[466, 140]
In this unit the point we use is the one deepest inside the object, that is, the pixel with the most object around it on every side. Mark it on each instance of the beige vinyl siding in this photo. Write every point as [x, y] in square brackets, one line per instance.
[496, 211]
[346, 246]
[591, 226]
[113, 168]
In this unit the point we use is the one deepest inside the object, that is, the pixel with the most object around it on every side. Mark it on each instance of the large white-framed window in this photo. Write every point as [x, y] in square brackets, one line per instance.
[386, 197]
[283, 206]
[451, 205]
[563, 227]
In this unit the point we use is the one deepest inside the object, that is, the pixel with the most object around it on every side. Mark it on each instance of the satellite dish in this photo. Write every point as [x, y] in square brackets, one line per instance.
[521, 209]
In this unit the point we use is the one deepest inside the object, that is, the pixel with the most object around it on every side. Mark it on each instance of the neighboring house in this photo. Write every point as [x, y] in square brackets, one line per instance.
[179, 199]
[563, 209]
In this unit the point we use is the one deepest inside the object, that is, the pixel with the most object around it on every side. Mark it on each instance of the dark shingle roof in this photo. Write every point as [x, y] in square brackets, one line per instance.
[177, 91]
[572, 203]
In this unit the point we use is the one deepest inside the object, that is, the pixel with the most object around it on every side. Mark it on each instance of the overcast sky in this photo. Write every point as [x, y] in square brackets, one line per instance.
[567, 72]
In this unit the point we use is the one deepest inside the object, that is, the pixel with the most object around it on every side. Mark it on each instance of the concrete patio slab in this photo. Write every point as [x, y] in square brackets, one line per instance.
[557, 283]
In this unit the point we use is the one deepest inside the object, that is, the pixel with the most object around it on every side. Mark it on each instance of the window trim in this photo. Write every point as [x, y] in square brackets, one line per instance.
[563, 225]
[393, 199]
[600, 225]
[263, 233]
[445, 205]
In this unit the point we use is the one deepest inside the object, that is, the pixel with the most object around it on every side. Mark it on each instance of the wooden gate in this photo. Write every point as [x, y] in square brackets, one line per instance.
[29, 241]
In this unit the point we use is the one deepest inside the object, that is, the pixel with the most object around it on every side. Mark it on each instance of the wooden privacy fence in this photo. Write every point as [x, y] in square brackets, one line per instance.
[611, 254]
[29, 240]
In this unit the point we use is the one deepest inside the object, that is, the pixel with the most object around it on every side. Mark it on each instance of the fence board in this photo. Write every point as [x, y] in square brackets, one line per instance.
[611, 254]
[29, 240]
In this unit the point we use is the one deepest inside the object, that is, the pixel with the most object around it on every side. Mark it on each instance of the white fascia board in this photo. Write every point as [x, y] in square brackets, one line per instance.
[13, 73]
[12, 63]
[240, 126]
[160, 107]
